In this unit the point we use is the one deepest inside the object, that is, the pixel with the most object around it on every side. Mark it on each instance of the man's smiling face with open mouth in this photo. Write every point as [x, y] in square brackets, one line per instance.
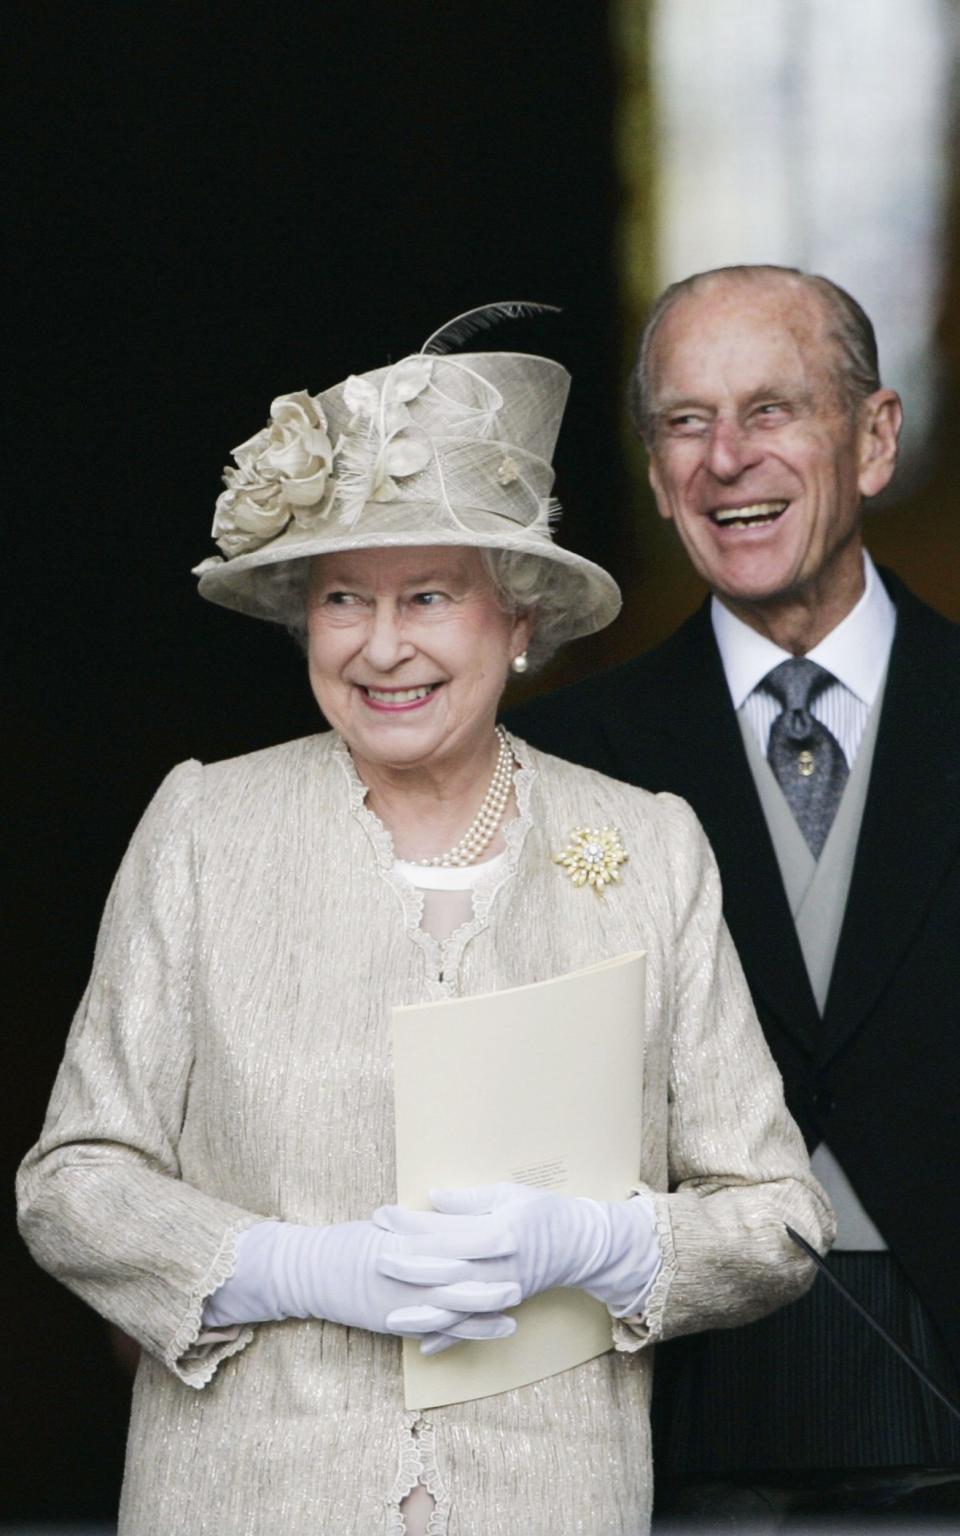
[754, 454]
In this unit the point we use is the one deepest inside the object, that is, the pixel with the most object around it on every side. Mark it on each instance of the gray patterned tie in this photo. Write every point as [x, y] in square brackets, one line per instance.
[806, 758]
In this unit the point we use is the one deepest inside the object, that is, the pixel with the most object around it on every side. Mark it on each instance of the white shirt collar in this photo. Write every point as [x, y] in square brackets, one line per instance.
[856, 651]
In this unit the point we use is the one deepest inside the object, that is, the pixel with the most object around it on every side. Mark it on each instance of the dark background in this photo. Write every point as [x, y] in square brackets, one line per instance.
[214, 205]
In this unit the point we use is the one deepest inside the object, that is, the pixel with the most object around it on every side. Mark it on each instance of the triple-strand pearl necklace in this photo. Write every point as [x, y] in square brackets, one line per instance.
[483, 827]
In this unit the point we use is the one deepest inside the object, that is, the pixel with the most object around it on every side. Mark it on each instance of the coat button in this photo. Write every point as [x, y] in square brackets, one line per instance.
[823, 1101]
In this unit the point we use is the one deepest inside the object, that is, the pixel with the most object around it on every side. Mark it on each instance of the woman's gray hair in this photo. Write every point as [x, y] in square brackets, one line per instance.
[522, 582]
[525, 583]
[848, 326]
[282, 590]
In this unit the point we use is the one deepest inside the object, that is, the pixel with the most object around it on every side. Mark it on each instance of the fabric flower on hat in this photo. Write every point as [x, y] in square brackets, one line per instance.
[382, 444]
[282, 474]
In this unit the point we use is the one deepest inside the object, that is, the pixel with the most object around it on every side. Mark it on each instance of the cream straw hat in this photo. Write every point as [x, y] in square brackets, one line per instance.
[434, 449]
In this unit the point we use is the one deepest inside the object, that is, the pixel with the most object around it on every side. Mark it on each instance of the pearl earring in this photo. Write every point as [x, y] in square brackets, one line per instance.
[519, 663]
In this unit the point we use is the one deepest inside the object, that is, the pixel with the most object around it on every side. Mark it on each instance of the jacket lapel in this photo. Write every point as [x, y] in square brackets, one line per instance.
[911, 821]
[678, 724]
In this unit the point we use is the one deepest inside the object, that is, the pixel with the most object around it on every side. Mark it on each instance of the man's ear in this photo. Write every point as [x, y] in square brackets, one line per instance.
[880, 422]
[653, 475]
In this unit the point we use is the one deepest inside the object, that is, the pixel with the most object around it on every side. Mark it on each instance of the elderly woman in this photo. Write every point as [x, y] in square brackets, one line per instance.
[221, 1134]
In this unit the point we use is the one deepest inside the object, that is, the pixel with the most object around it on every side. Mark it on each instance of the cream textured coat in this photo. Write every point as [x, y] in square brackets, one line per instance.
[231, 1061]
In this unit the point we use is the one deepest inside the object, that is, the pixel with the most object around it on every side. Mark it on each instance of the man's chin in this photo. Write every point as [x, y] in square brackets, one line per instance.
[753, 587]
[755, 595]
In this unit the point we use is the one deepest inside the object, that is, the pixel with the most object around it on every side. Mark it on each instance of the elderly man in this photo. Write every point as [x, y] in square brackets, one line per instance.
[810, 712]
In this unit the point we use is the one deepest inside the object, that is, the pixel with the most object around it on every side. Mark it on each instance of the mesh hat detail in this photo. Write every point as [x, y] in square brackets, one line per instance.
[432, 450]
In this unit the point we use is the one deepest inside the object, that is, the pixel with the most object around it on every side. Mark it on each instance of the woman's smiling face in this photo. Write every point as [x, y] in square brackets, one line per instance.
[408, 652]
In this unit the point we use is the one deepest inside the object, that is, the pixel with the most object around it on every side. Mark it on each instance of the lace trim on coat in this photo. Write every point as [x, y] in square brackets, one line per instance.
[191, 1359]
[443, 959]
[417, 1447]
[633, 1333]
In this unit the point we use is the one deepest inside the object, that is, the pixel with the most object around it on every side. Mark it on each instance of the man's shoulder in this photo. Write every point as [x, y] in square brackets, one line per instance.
[595, 693]
[613, 721]
[918, 623]
[652, 671]
[923, 685]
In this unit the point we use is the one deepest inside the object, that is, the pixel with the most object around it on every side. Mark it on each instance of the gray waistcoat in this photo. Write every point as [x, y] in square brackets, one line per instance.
[817, 893]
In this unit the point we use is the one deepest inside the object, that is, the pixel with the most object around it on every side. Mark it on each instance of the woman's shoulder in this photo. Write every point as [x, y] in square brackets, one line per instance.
[270, 766]
[193, 788]
[561, 779]
[656, 830]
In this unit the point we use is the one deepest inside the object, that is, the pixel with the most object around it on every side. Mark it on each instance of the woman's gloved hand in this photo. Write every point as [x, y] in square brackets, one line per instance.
[342, 1273]
[509, 1232]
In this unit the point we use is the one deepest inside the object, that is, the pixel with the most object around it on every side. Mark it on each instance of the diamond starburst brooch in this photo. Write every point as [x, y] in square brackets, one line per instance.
[593, 857]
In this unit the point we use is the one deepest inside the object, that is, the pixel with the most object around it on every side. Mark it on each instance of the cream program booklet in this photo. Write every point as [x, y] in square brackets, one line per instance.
[541, 1085]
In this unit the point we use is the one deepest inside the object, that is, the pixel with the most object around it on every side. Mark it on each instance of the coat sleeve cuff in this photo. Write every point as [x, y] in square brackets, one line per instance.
[195, 1352]
[634, 1333]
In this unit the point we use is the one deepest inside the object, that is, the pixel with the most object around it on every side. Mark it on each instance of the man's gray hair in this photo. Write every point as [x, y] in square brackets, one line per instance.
[848, 326]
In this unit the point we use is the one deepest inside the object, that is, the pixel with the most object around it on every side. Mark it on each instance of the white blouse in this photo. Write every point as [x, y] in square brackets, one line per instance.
[447, 893]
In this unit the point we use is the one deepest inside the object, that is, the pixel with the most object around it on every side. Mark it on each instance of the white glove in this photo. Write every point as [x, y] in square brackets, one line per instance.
[337, 1272]
[509, 1232]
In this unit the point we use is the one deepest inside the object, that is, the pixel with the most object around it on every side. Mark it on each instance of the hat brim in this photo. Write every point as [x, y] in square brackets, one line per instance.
[245, 582]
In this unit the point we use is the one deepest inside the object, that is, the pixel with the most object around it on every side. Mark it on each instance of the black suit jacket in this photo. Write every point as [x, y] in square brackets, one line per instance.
[878, 1076]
